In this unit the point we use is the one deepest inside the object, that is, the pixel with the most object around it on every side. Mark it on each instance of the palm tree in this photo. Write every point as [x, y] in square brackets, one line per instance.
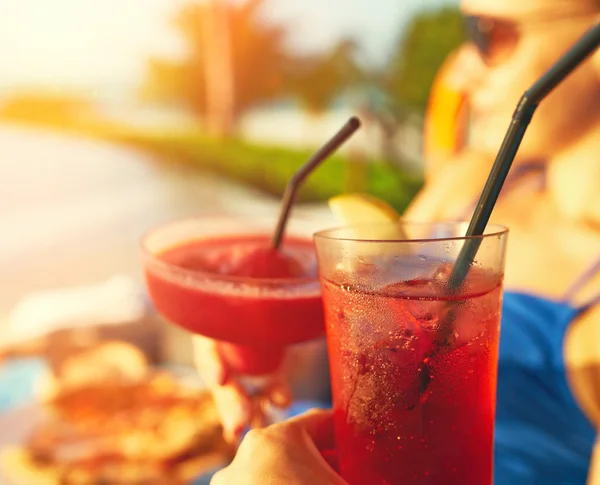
[219, 73]
[234, 60]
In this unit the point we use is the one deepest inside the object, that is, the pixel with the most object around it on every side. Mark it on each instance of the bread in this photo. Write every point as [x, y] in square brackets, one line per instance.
[19, 468]
[112, 420]
[108, 362]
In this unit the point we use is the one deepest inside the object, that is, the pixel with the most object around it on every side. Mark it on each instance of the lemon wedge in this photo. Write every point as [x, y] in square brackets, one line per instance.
[353, 209]
[367, 218]
[376, 218]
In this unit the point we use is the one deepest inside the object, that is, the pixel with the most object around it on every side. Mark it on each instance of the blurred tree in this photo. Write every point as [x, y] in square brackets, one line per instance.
[235, 60]
[419, 53]
[318, 80]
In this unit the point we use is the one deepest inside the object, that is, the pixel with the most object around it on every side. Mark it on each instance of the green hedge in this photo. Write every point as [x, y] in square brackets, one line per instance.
[269, 168]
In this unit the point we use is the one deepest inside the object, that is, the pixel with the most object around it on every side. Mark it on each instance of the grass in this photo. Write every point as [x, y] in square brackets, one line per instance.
[265, 167]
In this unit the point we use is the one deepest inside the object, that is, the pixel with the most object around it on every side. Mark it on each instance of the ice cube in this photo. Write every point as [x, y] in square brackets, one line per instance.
[417, 305]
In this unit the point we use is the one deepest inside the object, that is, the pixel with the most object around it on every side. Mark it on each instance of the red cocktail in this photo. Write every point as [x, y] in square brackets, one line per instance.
[413, 364]
[219, 278]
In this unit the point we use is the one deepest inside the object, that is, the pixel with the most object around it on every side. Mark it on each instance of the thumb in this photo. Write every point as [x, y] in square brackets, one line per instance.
[318, 425]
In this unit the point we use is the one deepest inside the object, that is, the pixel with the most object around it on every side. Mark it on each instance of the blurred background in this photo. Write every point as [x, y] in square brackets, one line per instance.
[116, 116]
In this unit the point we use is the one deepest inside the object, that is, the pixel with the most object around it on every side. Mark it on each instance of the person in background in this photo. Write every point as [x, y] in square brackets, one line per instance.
[548, 400]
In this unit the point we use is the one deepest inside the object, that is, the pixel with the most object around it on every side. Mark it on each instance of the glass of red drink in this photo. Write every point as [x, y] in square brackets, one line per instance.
[218, 277]
[413, 361]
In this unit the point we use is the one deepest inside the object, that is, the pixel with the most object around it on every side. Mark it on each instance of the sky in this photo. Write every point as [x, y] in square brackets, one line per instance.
[104, 44]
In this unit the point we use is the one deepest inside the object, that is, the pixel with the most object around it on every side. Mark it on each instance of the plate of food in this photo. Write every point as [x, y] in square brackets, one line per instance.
[107, 417]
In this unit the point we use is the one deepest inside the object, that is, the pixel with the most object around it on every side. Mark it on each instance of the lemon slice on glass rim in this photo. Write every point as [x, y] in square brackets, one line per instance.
[368, 219]
[366, 210]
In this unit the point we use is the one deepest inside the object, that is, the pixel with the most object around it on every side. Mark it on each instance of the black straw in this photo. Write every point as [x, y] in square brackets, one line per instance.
[295, 182]
[529, 102]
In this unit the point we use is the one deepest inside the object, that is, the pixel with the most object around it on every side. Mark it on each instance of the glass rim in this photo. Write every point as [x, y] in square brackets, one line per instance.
[156, 260]
[492, 230]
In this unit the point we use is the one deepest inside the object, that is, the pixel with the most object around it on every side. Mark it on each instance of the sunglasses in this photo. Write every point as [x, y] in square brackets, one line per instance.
[497, 39]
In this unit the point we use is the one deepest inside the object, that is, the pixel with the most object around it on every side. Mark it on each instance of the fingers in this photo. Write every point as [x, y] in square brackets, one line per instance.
[208, 362]
[286, 453]
[279, 392]
[234, 408]
[231, 402]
